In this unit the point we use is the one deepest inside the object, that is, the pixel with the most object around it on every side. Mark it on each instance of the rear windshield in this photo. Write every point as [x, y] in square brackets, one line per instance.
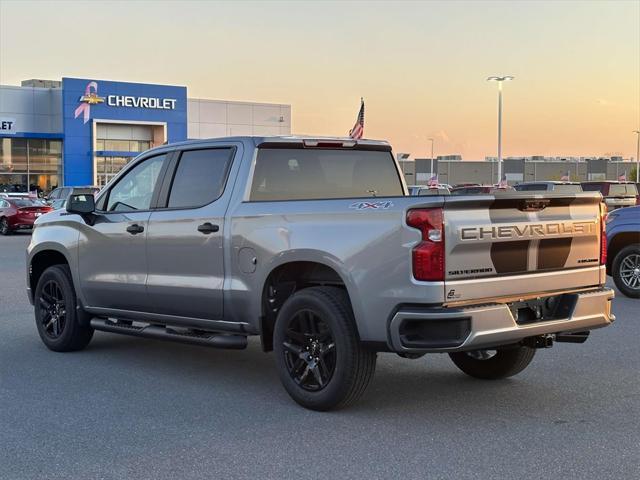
[469, 191]
[532, 187]
[593, 187]
[306, 174]
[623, 189]
[27, 203]
[567, 188]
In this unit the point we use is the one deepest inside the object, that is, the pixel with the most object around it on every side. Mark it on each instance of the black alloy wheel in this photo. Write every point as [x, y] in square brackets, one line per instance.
[53, 309]
[320, 359]
[4, 227]
[309, 351]
[62, 324]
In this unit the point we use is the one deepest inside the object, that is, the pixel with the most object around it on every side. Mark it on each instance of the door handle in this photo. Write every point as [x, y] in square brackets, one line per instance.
[208, 228]
[135, 229]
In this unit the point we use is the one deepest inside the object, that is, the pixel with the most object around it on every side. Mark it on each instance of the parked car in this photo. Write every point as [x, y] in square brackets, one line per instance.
[20, 213]
[422, 190]
[475, 190]
[623, 253]
[558, 187]
[616, 194]
[58, 197]
[62, 193]
[314, 245]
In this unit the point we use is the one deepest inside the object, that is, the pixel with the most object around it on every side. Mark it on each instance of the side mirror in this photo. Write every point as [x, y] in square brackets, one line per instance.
[81, 204]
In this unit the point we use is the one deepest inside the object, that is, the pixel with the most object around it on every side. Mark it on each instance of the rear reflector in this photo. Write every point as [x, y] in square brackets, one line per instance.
[428, 255]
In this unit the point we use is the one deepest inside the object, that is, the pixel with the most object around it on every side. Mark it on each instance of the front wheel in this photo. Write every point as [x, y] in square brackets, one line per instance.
[320, 360]
[494, 364]
[626, 270]
[57, 318]
[5, 229]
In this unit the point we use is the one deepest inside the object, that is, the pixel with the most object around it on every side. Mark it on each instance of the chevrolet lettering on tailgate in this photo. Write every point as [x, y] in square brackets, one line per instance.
[528, 231]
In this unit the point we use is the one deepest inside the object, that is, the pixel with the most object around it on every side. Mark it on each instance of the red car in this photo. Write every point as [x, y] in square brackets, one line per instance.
[20, 213]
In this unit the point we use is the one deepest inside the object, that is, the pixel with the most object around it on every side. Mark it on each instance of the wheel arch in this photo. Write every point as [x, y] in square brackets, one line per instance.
[289, 277]
[618, 242]
[40, 261]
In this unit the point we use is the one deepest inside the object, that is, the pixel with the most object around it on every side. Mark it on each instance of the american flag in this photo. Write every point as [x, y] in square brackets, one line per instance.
[33, 194]
[566, 177]
[503, 182]
[622, 177]
[358, 129]
[433, 181]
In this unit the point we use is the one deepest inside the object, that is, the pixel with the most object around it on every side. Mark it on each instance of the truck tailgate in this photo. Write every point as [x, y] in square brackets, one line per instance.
[510, 244]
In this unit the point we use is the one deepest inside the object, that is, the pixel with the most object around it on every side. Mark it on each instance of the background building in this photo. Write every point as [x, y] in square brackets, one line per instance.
[522, 169]
[83, 131]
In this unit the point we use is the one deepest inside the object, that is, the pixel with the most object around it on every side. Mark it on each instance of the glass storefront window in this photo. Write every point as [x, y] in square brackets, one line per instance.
[108, 167]
[122, 145]
[28, 164]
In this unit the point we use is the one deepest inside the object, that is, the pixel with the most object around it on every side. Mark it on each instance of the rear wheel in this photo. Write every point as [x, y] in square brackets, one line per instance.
[57, 318]
[626, 271]
[494, 364]
[5, 229]
[320, 359]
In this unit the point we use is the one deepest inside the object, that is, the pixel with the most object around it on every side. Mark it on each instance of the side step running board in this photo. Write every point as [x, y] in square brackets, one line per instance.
[206, 339]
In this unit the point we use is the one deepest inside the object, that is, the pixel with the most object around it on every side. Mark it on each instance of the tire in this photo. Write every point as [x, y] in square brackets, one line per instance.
[505, 362]
[60, 324]
[5, 229]
[319, 357]
[626, 270]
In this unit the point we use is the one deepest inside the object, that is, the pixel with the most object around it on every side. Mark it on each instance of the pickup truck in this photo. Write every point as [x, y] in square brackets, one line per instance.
[623, 255]
[315, 246]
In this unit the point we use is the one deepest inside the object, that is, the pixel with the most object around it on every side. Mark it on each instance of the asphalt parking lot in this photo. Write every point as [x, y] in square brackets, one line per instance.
[143, 409]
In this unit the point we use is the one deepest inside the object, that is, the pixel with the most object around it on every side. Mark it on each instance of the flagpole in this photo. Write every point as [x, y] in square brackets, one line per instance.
[637, 132]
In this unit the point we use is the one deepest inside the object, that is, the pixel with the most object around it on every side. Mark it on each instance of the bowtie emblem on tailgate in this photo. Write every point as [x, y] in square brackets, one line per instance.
[533, 205]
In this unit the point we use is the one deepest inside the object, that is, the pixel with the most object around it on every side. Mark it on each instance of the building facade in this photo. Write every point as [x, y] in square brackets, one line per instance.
[83, 131]
[517, 170]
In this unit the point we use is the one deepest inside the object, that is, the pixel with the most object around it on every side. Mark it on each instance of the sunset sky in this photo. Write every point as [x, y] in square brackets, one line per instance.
[421, 66]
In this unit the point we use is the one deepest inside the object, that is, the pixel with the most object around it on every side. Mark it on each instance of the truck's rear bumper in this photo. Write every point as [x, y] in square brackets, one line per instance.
[490, 325]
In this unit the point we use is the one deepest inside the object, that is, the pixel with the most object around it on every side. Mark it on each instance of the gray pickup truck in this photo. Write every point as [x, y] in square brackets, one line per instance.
[314, 245]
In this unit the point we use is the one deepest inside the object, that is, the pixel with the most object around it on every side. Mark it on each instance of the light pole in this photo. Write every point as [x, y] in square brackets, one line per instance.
[431, 140]
[637, 132]
[504, 78]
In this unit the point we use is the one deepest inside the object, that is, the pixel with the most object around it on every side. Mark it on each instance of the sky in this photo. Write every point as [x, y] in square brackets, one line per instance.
[420, 66]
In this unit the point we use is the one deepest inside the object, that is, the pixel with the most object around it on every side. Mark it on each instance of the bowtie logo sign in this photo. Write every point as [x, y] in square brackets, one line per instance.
[89, 98]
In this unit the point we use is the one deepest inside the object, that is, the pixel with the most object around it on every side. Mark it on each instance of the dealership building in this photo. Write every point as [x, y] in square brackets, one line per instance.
[83, 131]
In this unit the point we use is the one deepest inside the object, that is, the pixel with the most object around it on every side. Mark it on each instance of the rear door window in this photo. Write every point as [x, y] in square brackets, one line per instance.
[307, 174]
[200, 177]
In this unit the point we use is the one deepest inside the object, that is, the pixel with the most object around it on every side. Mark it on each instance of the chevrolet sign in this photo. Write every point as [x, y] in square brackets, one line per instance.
[141, 102]
[528, 231]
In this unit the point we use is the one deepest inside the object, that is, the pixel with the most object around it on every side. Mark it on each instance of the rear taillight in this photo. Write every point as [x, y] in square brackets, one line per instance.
[428, 255]
[603, 234]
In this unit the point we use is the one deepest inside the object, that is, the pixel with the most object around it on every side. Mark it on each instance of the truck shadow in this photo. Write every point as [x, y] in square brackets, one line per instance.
[400, 387]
